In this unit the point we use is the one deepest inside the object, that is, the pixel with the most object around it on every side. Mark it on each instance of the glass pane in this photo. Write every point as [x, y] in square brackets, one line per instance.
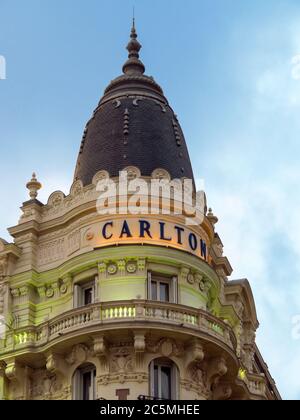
[166, 383]
[153, 290]
[164, 292]
[94, 384]
[88, 296]
[87, 386]
[156, 391]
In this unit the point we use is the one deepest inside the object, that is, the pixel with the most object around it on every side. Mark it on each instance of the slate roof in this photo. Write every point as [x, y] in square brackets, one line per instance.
[133, 125]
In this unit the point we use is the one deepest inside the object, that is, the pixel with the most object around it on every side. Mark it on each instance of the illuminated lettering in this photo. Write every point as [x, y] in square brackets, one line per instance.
[203, 249]
[193, 241]
[125, 231]
[162, 232]
[104, 230]
[140, 231]
[180, 231]
[145, 228]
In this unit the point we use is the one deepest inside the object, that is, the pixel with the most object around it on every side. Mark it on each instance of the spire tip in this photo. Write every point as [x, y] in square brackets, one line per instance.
[133, 18]
[133, 65]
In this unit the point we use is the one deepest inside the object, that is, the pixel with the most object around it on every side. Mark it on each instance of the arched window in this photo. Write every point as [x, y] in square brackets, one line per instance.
[163, 379]
[84, 383]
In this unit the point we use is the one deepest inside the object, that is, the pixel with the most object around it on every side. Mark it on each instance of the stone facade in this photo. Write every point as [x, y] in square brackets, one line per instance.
[209, 333]
[78, 308]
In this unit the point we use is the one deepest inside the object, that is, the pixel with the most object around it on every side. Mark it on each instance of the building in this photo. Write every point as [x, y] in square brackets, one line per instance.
[125, 306]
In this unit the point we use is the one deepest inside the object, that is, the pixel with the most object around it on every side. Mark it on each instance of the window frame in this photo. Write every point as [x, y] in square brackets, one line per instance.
[78, 383]
[79, 293]
[161, 363]
[172, 281]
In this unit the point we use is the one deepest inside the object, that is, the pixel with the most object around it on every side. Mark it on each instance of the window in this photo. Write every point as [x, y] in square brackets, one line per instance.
[84, 294]
[162, 289]
[88, 295]
[84, 383]
[163, 379]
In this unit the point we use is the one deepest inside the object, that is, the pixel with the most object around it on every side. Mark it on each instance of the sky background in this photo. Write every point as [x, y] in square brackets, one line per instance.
[229, 69]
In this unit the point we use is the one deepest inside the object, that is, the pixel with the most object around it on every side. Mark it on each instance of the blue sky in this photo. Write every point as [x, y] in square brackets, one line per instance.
[229, 69]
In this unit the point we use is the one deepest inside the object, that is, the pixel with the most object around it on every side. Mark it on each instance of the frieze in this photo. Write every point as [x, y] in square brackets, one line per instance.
[3, 289]
[206, 377]
[78, 195]
[100, 176]
[112, 269]
[166, 347]
[121, 359]
[51, 252]
[141, 264]
[79, 354]
[122, 267]
[24, 290]
[105, 380]
[44, 385]
[55, 200]
[198, 375]
[196, 279]
[63, 288]
[73, 242]
[49, 292]
[76, 188]
[3, 266]
[193, 386]
[15, 293]
[58, 204]
[131, 267]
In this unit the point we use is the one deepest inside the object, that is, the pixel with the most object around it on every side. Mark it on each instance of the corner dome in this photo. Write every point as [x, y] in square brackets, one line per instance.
[133, 125]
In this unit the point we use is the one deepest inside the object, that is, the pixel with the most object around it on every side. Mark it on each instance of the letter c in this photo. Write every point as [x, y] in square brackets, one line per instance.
[104, 230]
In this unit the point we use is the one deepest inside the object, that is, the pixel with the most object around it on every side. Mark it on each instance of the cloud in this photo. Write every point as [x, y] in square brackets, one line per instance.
[296, 67]
[279, 87]
[253, 188]
[259, 232]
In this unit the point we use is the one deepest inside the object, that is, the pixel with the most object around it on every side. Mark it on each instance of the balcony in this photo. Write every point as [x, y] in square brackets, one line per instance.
[102, 316]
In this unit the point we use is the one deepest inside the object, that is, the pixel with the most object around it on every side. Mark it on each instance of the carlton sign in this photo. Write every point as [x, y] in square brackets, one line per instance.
[144, 231]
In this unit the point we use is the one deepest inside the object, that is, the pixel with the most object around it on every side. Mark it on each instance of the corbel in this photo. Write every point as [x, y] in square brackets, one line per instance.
[56, 364]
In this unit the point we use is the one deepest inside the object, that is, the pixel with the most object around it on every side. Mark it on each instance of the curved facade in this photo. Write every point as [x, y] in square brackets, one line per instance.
[123, 306]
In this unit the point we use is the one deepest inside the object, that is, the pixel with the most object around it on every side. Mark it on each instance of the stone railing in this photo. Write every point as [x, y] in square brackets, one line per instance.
[256, 383]
[105, 314]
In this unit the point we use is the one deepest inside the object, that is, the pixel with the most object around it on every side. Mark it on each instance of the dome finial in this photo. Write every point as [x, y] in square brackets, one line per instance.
[133, 65]
[33, 186]
[133, 18]
[211, 217]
